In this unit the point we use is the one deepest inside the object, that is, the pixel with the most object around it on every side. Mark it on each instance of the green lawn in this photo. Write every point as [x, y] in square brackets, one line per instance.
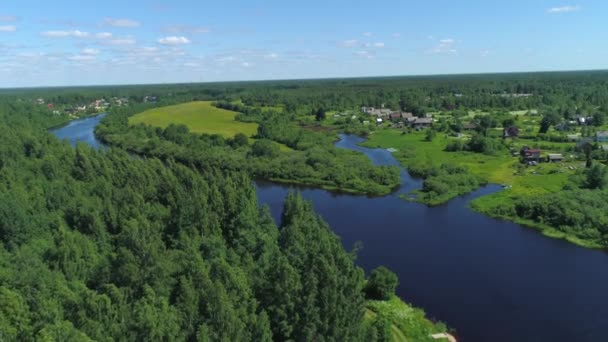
[200, 117]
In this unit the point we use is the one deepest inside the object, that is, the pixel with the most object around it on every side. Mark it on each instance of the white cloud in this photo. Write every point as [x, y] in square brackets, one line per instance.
[103, 35]
[174, 40]
[90, 52]
[225, 59]
[396, 35]
[31, 54]
[564, 9]
[121, 41]
[187, 29]
[64, 34]
[82, 58]
[367, 34]
[377, 45]
[7, 18]
[246, 64]
[125, 23]
[8, 28]
[365, 54]
[484, 53]
[350, 43]
[147, 50]
[445, 46]
[191, 65]
[271, 57]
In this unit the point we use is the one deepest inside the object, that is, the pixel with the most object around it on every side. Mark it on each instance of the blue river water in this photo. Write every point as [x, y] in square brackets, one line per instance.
[490, 280]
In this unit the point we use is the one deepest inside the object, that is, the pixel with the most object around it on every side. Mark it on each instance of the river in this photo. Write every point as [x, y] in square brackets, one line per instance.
[491, 280]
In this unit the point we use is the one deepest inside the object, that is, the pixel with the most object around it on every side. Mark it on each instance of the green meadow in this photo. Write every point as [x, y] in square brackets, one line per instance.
[199, 117]
[499, 168]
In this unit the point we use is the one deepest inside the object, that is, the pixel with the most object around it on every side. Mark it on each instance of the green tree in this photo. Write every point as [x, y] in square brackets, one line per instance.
[264, 148]
[381, 284]
[320, 114]
[547, 121]
[485, 122]
[240, 139]
[596, 177]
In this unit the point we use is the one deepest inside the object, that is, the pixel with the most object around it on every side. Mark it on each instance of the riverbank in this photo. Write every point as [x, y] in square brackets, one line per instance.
[68, 121]
[405, 322]
[488, 205]
[414, 152]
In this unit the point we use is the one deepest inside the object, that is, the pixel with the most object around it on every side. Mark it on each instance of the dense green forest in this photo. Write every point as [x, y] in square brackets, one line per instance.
[99, 245]
[172, 245]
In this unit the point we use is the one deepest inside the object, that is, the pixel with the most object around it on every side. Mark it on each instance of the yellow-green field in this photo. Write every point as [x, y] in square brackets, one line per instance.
[200, 117]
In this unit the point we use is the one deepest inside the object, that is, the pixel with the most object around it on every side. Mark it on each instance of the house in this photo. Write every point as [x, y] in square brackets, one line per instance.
[411, 120]
[420, 123]
[583, 120]
[530, 154]
[554, 158]
[573, 137]
[407, 115]
[381, 112]
[563, 127]
[511, 132]
[151, 99]
[396, 116]
[584, 143]
[471, 126]
[601, 136]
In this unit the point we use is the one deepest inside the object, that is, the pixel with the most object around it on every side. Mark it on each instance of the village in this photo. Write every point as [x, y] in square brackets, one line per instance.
[576, 137]
[80, 109]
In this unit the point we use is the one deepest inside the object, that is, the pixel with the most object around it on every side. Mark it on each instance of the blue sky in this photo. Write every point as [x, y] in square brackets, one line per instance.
[65, 42]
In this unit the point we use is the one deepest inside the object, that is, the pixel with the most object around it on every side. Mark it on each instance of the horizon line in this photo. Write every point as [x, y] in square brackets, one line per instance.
[300, 79]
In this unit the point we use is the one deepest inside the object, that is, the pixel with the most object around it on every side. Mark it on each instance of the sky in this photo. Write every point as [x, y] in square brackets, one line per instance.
[65, 42]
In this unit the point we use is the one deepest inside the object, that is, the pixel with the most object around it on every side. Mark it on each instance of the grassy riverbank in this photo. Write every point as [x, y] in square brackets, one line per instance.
[402, 321]
[522, 183]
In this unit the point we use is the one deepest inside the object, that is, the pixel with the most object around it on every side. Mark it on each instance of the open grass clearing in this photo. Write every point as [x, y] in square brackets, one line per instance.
[199, 117]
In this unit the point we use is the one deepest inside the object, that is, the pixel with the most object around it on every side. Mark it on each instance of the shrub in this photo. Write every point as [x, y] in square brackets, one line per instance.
[381, 284]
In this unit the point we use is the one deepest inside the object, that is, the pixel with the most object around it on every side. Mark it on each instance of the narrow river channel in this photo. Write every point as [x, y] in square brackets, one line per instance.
[490, 280]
